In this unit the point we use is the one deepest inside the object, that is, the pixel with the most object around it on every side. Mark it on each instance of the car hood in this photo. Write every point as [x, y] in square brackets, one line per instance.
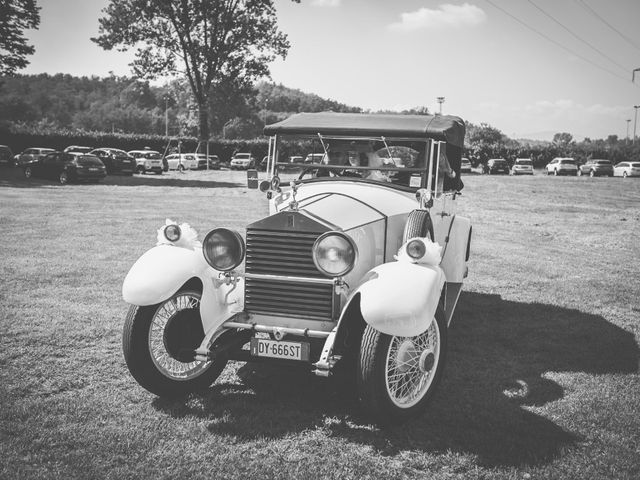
[345, 205]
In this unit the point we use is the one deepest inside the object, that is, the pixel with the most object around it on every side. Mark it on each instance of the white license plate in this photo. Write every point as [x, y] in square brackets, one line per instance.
[94, 169]
[262, 347]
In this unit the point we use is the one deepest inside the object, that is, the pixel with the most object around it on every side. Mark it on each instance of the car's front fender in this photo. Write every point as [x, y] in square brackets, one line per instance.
[400, 298]
[159, 272]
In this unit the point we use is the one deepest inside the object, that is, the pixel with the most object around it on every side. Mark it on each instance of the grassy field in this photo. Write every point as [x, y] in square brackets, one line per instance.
[541, 381]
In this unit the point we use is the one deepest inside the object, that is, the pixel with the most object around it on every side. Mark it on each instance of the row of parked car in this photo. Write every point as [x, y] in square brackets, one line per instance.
[78, 163]
[560, 166]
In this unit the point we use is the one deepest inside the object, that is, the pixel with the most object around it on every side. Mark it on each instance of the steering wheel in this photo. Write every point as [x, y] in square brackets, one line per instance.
[305, 171]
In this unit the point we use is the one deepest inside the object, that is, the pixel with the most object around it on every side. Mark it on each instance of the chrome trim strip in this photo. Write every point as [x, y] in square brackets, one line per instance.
[283, 278]
[302, 332]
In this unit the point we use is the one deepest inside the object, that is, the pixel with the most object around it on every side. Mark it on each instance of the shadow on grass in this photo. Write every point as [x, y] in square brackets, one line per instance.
[14, 177]
[499, 353]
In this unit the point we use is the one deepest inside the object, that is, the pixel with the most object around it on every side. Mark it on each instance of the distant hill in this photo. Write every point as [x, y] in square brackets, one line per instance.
[128, 105]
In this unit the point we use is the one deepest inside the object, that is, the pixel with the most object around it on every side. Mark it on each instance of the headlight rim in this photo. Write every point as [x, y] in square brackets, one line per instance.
[240, 242]
[422, 248]
[172, 225]
[349, 241]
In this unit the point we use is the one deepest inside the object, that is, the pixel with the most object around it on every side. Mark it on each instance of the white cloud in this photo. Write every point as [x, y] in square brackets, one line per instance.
[445, 16]
[326, 3]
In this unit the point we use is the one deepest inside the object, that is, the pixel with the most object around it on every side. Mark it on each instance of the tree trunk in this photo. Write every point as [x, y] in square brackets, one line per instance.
[203, 120]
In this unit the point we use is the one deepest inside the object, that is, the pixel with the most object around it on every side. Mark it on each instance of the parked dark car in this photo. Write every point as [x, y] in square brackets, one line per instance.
[115, 160]
[30, 154]
[66, 167]
[6, 155]
[497, 165]
[595, 168]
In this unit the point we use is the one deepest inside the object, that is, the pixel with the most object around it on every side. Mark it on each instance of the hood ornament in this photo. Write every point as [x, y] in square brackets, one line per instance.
[293, 205]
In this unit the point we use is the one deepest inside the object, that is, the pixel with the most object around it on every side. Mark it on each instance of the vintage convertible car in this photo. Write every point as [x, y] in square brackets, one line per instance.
[360, 263]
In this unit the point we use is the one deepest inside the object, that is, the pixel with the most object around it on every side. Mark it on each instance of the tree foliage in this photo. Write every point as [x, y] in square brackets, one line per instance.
[16, 16]
[214, 44]
[562, 138]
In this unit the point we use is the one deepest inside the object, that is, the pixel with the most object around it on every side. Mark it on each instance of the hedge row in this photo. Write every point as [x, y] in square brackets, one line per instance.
[19, 140]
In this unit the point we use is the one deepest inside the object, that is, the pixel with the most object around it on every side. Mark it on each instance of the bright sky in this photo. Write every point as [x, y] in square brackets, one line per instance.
[483, 56]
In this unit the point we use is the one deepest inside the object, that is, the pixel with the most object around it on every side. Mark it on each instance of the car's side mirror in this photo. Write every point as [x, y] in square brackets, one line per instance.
[252, 179]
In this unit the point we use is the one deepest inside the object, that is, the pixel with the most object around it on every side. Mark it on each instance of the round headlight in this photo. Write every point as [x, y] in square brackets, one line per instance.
[416, 249]
[172, 232]
[334, 254]
[223, 249]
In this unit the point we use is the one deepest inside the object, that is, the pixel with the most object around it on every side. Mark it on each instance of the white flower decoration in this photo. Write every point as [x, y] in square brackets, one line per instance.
[188, 236]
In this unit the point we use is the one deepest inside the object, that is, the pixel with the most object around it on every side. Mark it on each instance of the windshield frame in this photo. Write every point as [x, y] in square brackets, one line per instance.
[432, 150]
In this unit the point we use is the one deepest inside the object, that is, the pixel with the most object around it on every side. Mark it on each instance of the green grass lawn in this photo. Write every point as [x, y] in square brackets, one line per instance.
[541, 381]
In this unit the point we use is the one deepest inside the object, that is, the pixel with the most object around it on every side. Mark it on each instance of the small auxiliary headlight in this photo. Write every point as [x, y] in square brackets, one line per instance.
[172, 232]
[223, 249]
[416, 249]
[334, 254]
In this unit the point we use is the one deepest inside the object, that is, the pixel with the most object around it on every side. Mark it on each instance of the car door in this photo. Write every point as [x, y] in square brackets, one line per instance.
[47, 166]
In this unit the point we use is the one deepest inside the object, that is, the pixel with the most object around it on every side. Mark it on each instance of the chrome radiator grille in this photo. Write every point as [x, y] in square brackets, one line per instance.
[285, 254]
[281, 253]
[289, 298]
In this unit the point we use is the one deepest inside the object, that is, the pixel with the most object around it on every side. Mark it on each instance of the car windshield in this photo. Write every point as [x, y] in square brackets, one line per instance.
[568, 161]
[499, 162]
[603, 162]
[524, 162]
[396, 162]
[115, 151]
[242, 156]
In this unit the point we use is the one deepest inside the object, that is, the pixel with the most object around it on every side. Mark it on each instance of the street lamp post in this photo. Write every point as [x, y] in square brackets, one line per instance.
[440, 101]
[628, 121]
[635, 121]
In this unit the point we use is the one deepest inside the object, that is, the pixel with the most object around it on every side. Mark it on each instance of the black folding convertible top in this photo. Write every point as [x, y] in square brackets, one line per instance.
[439, 127]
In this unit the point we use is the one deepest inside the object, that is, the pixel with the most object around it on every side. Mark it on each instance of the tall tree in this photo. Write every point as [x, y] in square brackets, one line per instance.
[16, 16]
[210, 42]
[562, 138]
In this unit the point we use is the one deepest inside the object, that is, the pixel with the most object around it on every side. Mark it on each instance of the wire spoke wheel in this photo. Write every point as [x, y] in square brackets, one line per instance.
[159, 343]
[411, 365]
[175, 332]
[397, 376]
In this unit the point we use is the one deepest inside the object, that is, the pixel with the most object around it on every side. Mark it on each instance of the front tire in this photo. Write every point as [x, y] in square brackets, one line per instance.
[63, 178]
[397, 376]
[624, 174]
[28, 173]
[158, 343]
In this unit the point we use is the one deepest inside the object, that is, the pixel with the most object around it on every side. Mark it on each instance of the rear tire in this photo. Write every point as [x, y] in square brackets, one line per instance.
[158, 343]
[592, 174]
[28, 173]
[181, 168]
[624, 174]
[397, 376]
[63, 178]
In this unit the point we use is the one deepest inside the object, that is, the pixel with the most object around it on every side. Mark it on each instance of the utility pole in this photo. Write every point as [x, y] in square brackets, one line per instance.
[628, 121]
[166, 116]
[635, 121]
[440, 101]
